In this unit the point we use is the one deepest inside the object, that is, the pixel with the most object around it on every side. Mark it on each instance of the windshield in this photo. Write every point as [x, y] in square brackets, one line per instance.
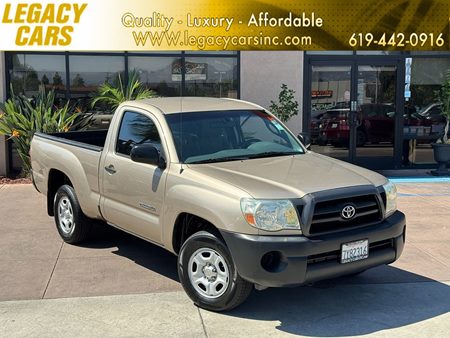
[217, 136]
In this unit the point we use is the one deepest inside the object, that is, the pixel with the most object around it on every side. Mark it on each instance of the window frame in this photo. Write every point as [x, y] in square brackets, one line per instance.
[288, 132]
[125, 54]
[116, 136]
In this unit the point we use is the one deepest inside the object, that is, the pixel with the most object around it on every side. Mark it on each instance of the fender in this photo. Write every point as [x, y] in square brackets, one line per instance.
[209, 204]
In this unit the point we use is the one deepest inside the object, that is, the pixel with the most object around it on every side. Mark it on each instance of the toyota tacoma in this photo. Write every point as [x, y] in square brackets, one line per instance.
[226, 187]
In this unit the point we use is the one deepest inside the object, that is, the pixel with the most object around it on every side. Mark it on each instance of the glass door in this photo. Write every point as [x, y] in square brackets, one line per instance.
[331, 94]
[353, 111]
[375, 116]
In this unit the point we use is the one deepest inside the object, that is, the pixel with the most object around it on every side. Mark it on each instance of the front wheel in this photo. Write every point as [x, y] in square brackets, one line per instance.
[208, 275]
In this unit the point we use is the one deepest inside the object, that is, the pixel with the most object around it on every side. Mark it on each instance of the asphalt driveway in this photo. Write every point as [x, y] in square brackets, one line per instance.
[127, 273]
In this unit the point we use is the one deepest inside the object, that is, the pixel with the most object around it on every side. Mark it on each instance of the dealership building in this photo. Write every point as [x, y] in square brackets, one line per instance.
[375, 109]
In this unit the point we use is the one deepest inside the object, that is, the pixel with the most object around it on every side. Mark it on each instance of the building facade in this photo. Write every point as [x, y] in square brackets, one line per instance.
[375, 109]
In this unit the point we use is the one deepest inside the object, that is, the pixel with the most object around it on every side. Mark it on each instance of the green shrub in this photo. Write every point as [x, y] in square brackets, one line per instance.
[287, 106]
[21, 117]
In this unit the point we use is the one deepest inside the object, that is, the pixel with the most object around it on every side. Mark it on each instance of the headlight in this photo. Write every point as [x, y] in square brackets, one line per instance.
[270, 215]
[391, 198]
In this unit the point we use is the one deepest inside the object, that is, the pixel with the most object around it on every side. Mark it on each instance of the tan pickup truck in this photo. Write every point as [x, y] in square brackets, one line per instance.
[228, 188]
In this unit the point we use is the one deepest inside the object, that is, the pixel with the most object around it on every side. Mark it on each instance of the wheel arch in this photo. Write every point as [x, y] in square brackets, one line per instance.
[186, 224]
[56, 178]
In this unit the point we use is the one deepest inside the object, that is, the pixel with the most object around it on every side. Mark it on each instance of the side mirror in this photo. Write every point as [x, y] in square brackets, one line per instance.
[147, 153]
[306, 140]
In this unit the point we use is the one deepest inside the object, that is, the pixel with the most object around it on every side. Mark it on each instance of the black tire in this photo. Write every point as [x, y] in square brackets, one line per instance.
[236, 291]
[80, 226]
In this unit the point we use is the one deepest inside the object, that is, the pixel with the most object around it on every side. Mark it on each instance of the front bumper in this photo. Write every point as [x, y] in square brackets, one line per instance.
[298, 259]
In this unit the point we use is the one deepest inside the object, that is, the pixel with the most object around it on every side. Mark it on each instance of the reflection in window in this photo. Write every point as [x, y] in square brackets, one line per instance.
[157, 73]
[136, 129]
[208, 76]
[30, 71]
[423, 122]
[87, 73]
[330, 87]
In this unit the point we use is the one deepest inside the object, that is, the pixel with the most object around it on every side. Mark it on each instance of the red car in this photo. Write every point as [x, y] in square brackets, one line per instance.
[376, 123]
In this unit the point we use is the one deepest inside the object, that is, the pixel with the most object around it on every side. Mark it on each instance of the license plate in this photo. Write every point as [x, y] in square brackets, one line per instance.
[354, 251]
[334, 125]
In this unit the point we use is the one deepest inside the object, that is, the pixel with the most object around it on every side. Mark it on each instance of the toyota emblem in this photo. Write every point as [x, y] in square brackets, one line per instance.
[348, 212]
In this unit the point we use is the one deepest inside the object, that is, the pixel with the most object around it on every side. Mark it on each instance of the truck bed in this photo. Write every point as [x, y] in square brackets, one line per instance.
[93, 140]
[77, 155]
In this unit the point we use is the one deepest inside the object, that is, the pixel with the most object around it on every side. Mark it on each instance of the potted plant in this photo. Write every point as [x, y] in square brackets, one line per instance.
[287, 106]
[442, 146]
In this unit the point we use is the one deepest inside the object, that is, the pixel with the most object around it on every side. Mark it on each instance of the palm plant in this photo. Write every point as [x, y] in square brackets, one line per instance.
[21, 117]
[113, 95]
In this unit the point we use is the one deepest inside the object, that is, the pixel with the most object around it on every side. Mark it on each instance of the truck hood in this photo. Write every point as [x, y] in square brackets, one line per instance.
[289, 176]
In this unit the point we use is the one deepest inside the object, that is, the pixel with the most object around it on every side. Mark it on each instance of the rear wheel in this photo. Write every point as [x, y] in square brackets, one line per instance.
[73, 226]
[208, 275]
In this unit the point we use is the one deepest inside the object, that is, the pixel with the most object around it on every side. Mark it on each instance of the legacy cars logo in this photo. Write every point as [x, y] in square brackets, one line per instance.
[348, 212]
[43, 25]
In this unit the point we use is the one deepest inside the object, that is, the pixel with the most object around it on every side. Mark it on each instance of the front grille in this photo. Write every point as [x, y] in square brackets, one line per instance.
[335, 256]
[327, 214]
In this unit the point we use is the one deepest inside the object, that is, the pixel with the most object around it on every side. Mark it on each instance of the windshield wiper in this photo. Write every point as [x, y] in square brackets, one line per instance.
[274, 153]
[221, 159]
[246, 157]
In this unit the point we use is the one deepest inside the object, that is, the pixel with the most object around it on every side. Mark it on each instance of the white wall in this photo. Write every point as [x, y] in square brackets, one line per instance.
[3, 151]
[263, 73]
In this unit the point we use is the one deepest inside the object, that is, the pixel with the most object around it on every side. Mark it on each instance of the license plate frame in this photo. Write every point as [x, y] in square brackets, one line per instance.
[360, 251]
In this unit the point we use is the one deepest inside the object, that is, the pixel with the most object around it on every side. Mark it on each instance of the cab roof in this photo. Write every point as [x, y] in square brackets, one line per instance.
[170, 105]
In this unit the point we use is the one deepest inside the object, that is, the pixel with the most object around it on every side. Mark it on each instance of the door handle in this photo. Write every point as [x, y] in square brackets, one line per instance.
[110, 169]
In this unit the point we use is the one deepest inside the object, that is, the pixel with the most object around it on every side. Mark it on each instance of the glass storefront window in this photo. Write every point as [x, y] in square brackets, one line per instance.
[422, 119]
[158, 73]
[376, 111]
[330, 103]
[87, 73]
[360, 129]
[209, 76]
[205, 73]
[30, 71]
[330, 87]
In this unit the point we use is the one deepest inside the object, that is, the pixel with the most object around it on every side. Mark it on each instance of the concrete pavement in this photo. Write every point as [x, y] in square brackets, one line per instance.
[140, 294]
[383, 310]
[34, 262]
